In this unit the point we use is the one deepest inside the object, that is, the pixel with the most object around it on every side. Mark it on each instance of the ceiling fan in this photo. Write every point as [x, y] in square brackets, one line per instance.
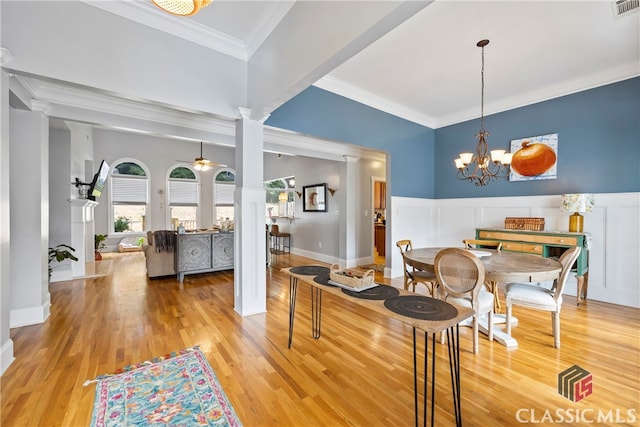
[202, 164]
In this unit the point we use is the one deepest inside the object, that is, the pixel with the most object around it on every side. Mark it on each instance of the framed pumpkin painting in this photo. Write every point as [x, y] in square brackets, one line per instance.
[534, 158]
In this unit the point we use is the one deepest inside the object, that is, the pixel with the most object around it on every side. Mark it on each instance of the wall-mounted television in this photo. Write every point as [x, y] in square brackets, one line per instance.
[99, 181]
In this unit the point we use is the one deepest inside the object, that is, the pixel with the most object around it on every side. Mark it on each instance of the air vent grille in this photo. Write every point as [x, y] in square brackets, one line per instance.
[625, 7]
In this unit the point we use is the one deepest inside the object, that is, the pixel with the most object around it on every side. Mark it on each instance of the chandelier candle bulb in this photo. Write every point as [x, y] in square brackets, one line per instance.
[497, 155]
[466, 158]
[459, 163]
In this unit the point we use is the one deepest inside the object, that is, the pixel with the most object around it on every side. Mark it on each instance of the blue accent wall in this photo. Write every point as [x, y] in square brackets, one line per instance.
[598, 141]
[410, 146]
[598, 144]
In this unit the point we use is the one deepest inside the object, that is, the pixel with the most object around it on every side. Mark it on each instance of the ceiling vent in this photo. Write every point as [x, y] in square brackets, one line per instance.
[625, 7]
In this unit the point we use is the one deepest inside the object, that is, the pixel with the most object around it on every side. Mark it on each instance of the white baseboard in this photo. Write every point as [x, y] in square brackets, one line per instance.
[29, 316]
[314, 255]
[61, 274]
[6, 355]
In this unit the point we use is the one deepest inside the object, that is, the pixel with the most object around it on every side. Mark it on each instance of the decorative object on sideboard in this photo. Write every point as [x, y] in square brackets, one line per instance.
[182, 7]
[577, 203]
[479, 168]
[522, 223]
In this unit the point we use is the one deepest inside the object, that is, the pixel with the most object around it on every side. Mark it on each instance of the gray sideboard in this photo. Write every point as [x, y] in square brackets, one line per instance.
[202, 252]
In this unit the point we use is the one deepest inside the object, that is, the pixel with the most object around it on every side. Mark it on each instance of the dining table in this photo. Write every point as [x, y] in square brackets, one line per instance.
[500, 267]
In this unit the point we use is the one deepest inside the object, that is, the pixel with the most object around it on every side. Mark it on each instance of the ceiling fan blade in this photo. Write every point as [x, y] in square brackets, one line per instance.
[201, 161]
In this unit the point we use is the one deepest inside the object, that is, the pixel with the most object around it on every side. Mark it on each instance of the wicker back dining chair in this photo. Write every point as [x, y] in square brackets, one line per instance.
[412, 276]
[492, 285]
[460, 275]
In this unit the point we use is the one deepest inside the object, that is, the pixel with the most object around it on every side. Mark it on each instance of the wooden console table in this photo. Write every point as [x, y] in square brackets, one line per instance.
[317, 277]
[203, 251]
[549, 244]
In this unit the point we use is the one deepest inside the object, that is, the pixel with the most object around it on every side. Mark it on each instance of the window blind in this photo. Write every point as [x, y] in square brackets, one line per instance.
[183, 193]
[224, 194]
[129, 190]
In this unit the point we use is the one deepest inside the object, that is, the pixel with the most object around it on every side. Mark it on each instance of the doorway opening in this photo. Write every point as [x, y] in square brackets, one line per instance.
[379, 192]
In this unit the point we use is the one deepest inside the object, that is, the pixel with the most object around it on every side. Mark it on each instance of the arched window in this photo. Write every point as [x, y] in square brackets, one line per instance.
[184, 197]
[224, 185]
[129, 184]
[280, 197]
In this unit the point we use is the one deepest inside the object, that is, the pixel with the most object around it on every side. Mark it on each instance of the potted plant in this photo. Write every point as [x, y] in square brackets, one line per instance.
[59, 253]
[99, 240]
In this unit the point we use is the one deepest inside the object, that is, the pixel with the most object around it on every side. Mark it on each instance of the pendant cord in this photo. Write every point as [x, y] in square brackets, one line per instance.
[482, 94]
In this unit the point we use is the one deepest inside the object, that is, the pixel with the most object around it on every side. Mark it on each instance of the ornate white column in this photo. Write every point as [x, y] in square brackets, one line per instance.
[250, 279]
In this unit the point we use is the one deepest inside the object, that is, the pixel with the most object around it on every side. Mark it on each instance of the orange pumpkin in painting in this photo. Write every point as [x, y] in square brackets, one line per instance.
[533, 159]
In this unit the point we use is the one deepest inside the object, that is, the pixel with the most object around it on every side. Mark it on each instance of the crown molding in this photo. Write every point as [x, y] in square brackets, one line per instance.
[276, 12]
[362, 96]
[560, 89]
[305, 145]
[147, 14]
[523, 99]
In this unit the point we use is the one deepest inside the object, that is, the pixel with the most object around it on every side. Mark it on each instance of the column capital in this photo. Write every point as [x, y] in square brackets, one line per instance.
[245, 114]
[351, 159]
[5, 56]
[41, 106]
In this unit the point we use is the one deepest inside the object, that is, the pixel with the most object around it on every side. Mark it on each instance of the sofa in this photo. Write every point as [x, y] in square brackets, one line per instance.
[159, 253]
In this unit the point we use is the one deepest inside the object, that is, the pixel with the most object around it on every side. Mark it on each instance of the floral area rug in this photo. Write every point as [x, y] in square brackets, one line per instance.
[179, 389]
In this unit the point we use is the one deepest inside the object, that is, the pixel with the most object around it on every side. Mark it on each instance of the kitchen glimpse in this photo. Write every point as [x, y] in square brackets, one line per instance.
[379, 214]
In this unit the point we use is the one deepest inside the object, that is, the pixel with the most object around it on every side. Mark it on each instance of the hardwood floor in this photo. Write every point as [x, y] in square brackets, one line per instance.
[358, 373]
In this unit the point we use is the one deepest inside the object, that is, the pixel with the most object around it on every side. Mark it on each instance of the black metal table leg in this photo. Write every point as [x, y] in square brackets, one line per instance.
[454, 365]
[316, 311]
[453, 344]
[293, 290]
[426, 380]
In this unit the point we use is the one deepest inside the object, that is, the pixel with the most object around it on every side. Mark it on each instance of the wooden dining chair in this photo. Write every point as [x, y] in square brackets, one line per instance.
[540, 298]
[412, 276]
[460, 276]
[478, 244]
[492, 285]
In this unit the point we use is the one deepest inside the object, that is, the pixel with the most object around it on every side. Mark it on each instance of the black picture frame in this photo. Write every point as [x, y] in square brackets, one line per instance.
[314, 198]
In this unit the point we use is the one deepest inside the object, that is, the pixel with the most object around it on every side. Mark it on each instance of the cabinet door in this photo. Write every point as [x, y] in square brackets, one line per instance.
[379, 195]
[223, 250]
[194, 252]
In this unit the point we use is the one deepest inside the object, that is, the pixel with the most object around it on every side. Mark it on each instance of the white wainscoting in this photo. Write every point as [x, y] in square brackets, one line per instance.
[614, 258]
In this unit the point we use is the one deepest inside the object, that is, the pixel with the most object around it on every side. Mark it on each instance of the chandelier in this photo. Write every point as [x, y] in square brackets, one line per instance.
[479, 168]
[182, 7]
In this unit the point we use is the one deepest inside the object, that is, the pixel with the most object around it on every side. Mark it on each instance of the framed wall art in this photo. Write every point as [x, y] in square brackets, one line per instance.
[534, 158]
[314, 198]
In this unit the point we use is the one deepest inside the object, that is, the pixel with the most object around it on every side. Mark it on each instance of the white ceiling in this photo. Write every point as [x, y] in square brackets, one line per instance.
[417, 59]
[427, 69]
